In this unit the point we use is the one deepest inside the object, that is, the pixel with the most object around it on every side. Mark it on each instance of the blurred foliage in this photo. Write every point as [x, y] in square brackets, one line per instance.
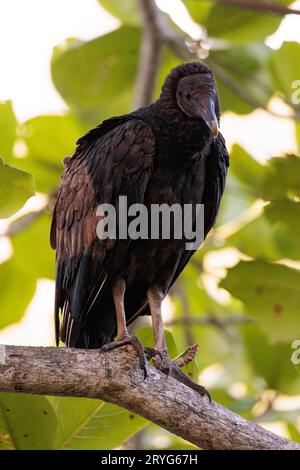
[247, 335]
[92, 424]
[16, 187]
[285, 69]
[48, 139]
[26, 422]
[243, 81]
[9, 123]
[96, 78]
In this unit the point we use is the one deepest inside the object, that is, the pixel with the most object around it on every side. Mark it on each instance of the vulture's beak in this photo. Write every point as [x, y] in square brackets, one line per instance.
[206, 111]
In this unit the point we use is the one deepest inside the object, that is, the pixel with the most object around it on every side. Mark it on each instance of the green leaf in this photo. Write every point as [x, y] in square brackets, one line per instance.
[74, 415]
[233, 24]
[8, 124]
[256, 239]
[238, 24]
[145, 335]
[246, 169]
[236, 199]
[285, 213]
[31, 240]
[243, 81]
[17, 290]
[96, 78]
[297, 132]
[270, 361]
[294, 432]
[16, 187]
[49, 139]
[273, 235]
[269, 292]
[29, 421]
[282, 179]
[19, 274]
[286, 70]
[128, 12]
[92, 424]
[284, 216]
[199, 11]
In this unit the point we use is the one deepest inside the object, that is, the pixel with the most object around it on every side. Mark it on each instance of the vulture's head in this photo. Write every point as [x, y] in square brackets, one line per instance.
[192, 89]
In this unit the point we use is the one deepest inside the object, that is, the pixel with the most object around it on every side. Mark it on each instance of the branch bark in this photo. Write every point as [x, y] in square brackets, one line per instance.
[116, 377]
[156, 33]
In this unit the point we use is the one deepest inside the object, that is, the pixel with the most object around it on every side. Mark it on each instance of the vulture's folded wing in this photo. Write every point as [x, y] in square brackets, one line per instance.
[216, 165]
[115, 159]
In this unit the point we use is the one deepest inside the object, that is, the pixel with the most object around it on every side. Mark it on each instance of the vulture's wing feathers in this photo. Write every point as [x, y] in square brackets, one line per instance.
[114, 159]
[216, 165]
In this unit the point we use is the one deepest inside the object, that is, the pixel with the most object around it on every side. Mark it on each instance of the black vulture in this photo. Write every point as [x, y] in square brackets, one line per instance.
[168, 152]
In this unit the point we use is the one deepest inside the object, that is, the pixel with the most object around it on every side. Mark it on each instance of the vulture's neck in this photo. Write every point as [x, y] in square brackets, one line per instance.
[178, 136]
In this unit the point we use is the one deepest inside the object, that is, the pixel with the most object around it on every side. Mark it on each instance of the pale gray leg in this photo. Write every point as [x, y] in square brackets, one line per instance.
[159, 353]
[123, 336]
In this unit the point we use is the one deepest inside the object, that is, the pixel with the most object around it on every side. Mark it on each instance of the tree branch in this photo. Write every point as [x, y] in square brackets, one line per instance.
[116, 377]
[156, 33]
[149, 54]
[262, 6]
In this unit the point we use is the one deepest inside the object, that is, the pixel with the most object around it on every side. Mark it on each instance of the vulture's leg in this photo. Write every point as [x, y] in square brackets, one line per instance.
[160, 354]
[123, 336]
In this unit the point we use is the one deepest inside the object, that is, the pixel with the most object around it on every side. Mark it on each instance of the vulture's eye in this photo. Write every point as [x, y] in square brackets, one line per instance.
[188, 96]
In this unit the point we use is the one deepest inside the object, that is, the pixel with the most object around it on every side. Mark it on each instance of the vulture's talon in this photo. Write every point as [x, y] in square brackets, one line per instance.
[203, 392]
[152, 352]
[171, 368]
[137, 346]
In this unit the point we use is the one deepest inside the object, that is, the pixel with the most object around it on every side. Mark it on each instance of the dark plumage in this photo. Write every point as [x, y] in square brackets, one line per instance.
[167, 152]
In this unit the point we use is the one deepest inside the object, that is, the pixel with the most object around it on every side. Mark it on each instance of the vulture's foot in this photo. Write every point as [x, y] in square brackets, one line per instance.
[137, 346]
[152, 353]
[185, 358]
[172, 369]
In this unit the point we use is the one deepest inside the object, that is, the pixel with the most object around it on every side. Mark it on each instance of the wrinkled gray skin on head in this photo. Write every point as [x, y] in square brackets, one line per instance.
[197, 97]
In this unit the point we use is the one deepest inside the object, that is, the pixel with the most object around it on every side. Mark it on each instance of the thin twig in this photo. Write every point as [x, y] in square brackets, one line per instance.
[213, 320]
[21, 223]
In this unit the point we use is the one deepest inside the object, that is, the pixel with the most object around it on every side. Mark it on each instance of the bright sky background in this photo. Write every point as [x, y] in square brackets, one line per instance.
[29, 31]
